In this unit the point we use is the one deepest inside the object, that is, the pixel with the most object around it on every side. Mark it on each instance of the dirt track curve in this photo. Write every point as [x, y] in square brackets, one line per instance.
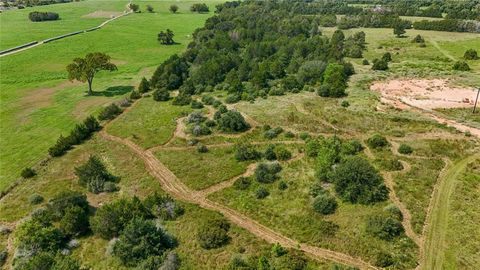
[176, 188]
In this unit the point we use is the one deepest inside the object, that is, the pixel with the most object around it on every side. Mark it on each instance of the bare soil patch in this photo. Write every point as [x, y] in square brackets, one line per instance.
[103, 14]
[424, 94]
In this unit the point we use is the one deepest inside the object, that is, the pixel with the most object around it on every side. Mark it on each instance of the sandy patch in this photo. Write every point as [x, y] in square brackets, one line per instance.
[424, 94]
[103, 14]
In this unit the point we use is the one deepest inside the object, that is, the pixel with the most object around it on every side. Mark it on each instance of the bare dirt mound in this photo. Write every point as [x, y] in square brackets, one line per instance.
[425, 94]
[103, 14]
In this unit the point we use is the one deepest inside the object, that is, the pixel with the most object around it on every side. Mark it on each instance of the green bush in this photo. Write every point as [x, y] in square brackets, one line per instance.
[325, 204]
[384, 227]
[242, 183]
[379, 64]
[384, 260]
[61, 147]
[377, 141]
[161, 94]
[213, 233]
[387, 57]
[74, 222]
[261, 193]
[110, 112]
[418, 39]
[196, 104]
[267, 173]
[282, 153]
[282, 185]
[93, 175]
[28, 173]
[35, 199]
[365, 62]
[163, 207]
[345, 104]
[356, 181]
[202, 148]
[245, 151]
[232, 121]
[182, 100]
[390, 164]
[461, 66]
[470, 54]
[393, 211]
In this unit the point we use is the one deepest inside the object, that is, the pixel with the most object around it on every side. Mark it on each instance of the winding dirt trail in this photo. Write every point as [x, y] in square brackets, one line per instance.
[177, 189]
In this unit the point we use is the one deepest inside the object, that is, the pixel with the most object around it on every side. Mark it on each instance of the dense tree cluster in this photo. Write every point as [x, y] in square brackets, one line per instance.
[37, 16]
[40, 239]
[450, 25]
[80, 133]
[249, 55]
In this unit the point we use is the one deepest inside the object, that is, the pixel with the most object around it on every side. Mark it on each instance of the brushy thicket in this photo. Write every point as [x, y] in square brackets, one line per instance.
[37, 16]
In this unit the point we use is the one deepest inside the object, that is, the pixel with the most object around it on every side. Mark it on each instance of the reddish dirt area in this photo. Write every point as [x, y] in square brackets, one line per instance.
[425, 95]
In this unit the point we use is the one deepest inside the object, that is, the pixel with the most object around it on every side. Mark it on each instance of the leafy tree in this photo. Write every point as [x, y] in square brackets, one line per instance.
[141, 239]
[110, 219]
[356, 181]
[398, 29]
[335, 79]
[461, 65]
[270, 152]
[173, 8]
[325, 204]
[232, 121]
[166, 38]
[213, 233]
[85, 69]
[470, 54]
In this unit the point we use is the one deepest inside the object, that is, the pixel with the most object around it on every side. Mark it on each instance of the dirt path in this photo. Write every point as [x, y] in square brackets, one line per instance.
[436, 224]
[177, 189]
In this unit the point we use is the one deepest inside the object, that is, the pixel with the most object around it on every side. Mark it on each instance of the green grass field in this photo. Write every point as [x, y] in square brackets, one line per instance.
[38, 104]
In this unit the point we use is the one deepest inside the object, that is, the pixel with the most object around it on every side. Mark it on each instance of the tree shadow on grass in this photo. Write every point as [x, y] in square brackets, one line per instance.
[114, 91]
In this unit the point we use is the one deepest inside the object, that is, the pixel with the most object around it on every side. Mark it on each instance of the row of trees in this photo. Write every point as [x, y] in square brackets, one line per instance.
[451, 25]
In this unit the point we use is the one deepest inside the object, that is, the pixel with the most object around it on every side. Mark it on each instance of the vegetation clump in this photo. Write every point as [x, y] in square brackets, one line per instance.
[93, 175]
[267, 172]
[356, 181]
[405, 149]
[461, 66]
[379, 64]
[325, 204]
[470, 54]
[110, 112]
[38, 16]
[377, 141]
[213, 233]
[199, 7]
[166, 38]
[232, 121]
[28, 173]
[244, 152]
[242, 183]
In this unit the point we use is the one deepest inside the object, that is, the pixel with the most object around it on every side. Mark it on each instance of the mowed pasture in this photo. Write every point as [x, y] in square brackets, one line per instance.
[39, 104]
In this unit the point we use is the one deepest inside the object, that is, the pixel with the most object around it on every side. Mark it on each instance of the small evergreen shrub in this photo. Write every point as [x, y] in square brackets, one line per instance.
[28, 173]
[242, 183]
[110, 112]
[261, 193]
[461, 66]
[405, 149]
[35, 199]
[377, 141]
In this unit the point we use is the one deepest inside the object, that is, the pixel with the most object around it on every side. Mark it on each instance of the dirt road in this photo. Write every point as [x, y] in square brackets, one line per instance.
[177, 189]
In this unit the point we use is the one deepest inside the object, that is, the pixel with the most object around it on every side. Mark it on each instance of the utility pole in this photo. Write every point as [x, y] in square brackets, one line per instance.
[476, 100]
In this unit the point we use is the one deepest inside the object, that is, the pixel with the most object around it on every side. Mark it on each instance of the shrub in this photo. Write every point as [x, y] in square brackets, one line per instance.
[278, 250]
[213, 233]
[149, 8]
[365, 62]
[60, 202]
[109, 186]
[135, 95]
[282, 153]
[208, 99]
[232, 121]
[74, 222]
[110, 112]
[387, 57]
[418, 39]
[110, 219]
[163, 207]
[461, 65]
[261, 193]
[325, 204]
[61, 147]
[33, 236]
[345, 104]
[37, 16]
[93, 175]
[232, 98]
[380, 64]
[196, 117]
[470, 54]
[199, 7]
[351, 147]
[391, 164]
[35, 199]
[405, 149]
[270, 152]
[316, 189]
[161, 94]
[394, 211]
[312, 147]
[384, 259]
[244, 152]
[3, 257]
[196, 104]
[272, 133]
[282, 185]
[173, 8]
[289, 134]
[144, 86]
[384, 227]
[356, 181]
[377, 141]
[141, 239]
[182, 100]
[202, 148]
[242, 183]
[28, 173]
[267, 173]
